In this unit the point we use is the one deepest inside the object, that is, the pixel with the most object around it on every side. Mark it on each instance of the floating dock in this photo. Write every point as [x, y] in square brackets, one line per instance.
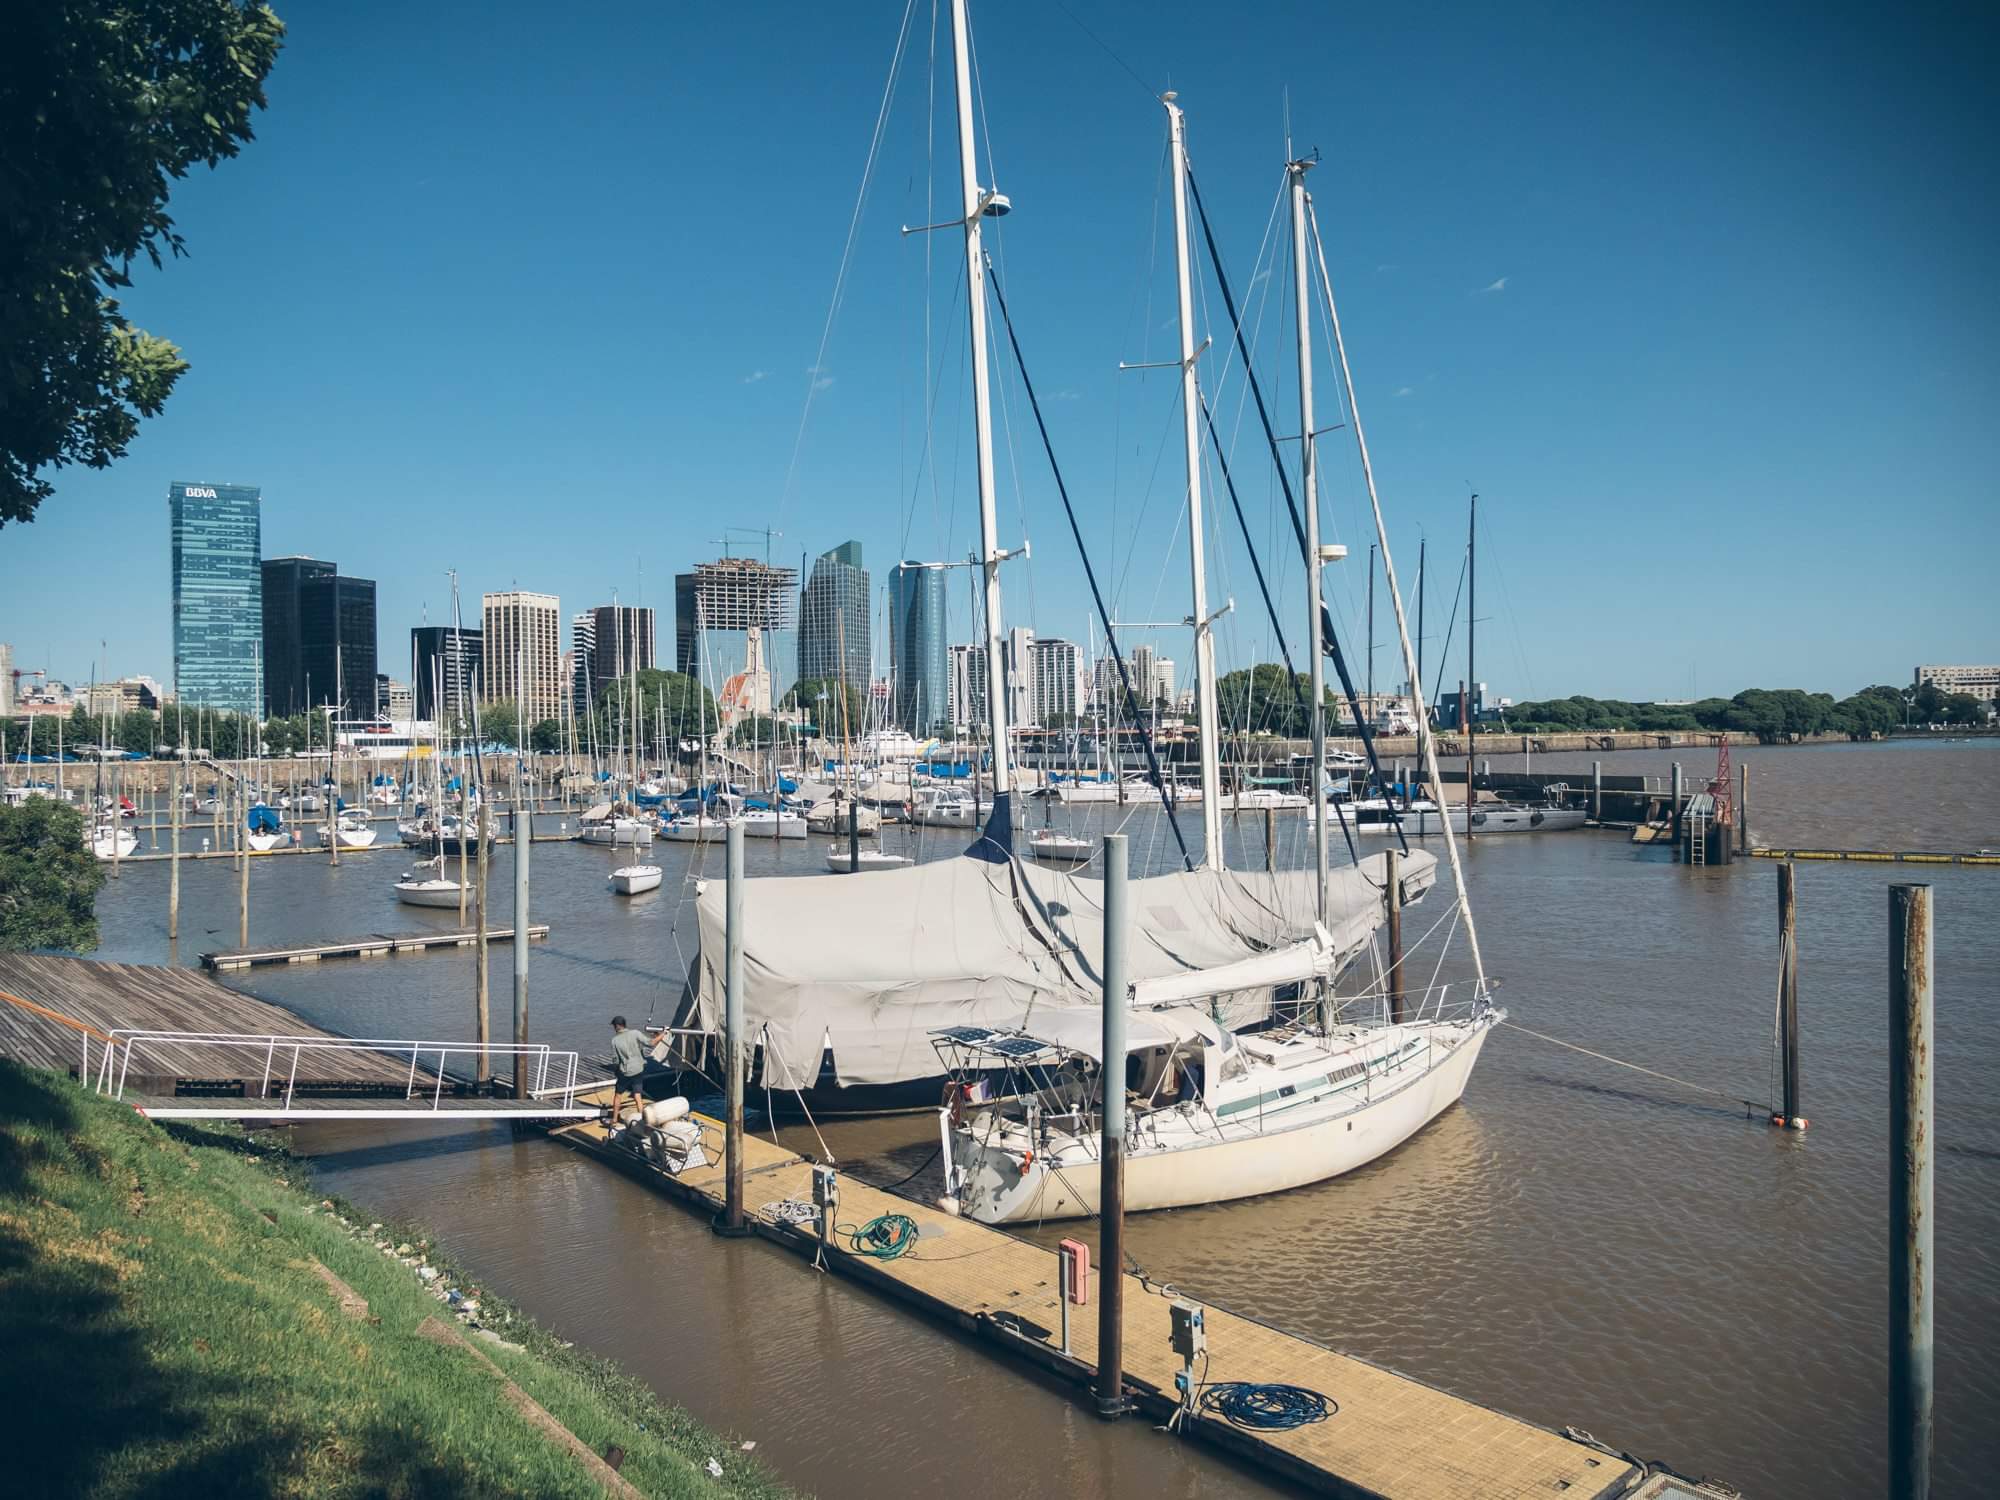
[1878, 856]
[374, 945]
[1390, 1436]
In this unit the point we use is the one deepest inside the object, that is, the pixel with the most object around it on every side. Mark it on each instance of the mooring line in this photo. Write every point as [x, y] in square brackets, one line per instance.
[1620, 1062]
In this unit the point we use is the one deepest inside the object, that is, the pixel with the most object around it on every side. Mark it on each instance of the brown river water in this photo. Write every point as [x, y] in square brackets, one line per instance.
[1576, 1243]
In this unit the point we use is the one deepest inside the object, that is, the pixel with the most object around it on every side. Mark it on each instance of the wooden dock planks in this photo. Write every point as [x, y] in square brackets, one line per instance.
[1392, 1436]
[368, 946]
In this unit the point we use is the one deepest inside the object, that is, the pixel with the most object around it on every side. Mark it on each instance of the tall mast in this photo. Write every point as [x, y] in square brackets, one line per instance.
[1402, 620]
[1207, 717]
[1471, 621]
[977, 205]
[1309, 498]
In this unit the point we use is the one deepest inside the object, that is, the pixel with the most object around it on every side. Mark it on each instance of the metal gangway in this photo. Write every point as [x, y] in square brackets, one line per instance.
[329, 1077]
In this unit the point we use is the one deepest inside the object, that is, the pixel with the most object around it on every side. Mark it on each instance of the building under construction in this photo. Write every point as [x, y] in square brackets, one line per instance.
[723, 599]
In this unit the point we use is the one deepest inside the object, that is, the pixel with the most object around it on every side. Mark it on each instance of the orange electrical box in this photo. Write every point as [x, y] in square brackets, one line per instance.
[1075, 1271]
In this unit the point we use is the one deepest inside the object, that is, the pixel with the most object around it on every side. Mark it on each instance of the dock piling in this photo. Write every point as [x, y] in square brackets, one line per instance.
[732, 1029]
[1597, 791]
[1111, 1156]
[480, 969]
[243, 866]
[854, 835]
[1743, 806]
[174, 865]
[1392, 901]
[1677, 809]
[1270, 840]
[1788, 996]
[1910, 1199]
[524, 839]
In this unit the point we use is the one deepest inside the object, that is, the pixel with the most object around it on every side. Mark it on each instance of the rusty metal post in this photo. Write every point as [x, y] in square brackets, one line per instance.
[1788, 995]
[1910, 1199]
[1111, 1156]
[1392, 896]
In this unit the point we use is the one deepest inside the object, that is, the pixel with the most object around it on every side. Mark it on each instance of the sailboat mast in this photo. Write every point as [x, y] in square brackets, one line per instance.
[1471, 694]
[1207, 717]
[1309, 498]
[977, 204]
[1402, 620]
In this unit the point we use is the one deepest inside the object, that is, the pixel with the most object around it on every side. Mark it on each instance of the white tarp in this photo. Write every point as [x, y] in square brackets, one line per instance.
[869, 966]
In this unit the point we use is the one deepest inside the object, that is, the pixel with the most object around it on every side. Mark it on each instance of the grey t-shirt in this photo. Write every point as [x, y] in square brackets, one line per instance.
[628, 1048]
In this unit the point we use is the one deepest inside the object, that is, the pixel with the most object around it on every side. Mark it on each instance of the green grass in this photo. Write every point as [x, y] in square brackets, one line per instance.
[162, 1333]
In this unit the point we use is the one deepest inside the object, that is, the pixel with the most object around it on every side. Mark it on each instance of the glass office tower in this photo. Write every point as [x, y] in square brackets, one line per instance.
[218, 594]
[917, 656]
[833, 620]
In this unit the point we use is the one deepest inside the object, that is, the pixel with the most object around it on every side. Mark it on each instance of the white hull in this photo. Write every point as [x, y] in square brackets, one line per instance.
[1222, 1163]
[264, 843]
[428, 892]
[772, 825]
[1425, 821]
[1061, 849]
[109, 843]
[837, 860]
[945, 815]
[631, 880]
[620, 833]
[696, 830]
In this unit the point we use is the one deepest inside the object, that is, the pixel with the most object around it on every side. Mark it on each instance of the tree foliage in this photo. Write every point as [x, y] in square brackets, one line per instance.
[48, 878]
[682, 704]
[1263, 700]
[821, 698]
[102, 104]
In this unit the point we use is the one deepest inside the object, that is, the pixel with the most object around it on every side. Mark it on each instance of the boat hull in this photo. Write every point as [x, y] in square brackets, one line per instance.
[425, 895]
[993, 1191]
[636, 879]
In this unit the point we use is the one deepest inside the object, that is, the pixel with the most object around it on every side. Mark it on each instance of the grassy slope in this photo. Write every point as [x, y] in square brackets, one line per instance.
[161, 1336]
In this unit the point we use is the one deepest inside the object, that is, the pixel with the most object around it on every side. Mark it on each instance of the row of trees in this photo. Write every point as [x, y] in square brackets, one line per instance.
[1771, 714]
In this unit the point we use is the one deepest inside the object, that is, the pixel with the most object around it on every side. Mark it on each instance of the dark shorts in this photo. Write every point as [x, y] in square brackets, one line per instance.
[628, 1083]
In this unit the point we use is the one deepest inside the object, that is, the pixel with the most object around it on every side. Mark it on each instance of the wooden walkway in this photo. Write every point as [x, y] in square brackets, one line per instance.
[1391, 1437]
[373, 945]
[60, 1014]
[1878, 856]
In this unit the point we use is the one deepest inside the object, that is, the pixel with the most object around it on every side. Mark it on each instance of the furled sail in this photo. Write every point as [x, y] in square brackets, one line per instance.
[868, 968]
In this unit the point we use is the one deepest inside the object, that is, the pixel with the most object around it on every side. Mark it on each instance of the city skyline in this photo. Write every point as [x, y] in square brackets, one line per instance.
[1620, 359]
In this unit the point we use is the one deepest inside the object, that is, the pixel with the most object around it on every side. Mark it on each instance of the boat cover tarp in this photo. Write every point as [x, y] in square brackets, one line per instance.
[869, 968]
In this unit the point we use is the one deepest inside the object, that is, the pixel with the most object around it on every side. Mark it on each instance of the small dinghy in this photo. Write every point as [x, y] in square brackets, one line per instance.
[630, 880]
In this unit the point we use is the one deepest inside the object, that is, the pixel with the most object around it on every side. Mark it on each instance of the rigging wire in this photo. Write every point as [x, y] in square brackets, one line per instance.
[1089, 572]
[1333, 650]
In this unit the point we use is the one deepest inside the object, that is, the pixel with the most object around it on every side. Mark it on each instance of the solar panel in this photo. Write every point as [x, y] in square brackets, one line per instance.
[1018, 1046]
[964, 1033]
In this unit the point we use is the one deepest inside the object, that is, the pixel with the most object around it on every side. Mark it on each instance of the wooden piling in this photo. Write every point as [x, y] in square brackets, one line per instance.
[524, 841]
[1743, 806]
[1788, 997]
[1597, 791]
[174, 865]
[243, 866]
[732, 1028]
[1392, 897]
[1111, 1155]
[464, 817]
[1911, 1433]
[1270, 840]
[479, 951]
[1677, 809]
[854, 835]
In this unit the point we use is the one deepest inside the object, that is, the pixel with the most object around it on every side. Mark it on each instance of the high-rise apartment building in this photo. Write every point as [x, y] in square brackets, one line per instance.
[285, 688]
[1163, 680]
[1058, 681]
[833, 619]
[622, 641]
[582, 643]
[1982, 683]
[448, 663]
[919, 668]
[522, 651]
[6, 681]
[217, 546]
[966, 668]
[715, 607]
[1017, 664]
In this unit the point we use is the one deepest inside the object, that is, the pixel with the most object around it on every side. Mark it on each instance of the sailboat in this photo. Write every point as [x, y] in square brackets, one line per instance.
[1218, 1116]
[849, 980]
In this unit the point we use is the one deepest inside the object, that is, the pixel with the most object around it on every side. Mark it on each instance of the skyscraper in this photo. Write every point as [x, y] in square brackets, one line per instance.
[967, 688]
[715, 608]
[1017, 660]
[622, 640]
[337, 643]
[833, 619]
[917, 660]
[1058, 684]
[285, 688]
[6, 681]
[448, 660]
[522, 653]
[217, 537]
[582, 643]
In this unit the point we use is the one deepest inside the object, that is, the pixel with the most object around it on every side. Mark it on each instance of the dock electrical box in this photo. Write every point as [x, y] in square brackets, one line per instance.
[1190, 1334]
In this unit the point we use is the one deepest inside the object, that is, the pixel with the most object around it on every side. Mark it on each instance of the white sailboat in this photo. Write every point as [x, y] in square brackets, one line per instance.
[350, 831]
[417, 888]
[107, 840]
[841, 861]
[632, 880]
[1053, 847]
[1218, 1116]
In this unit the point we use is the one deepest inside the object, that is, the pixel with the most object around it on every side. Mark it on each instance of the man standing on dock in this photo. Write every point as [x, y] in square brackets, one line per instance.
[628, 1053]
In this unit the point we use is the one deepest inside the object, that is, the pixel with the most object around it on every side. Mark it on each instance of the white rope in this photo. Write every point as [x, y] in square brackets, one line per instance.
[1700, 1088]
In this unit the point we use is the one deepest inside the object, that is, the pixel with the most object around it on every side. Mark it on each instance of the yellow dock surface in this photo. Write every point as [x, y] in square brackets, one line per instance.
[1391, 1436]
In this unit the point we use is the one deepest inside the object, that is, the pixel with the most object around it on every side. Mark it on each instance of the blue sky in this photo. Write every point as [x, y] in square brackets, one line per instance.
[1700, 300]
